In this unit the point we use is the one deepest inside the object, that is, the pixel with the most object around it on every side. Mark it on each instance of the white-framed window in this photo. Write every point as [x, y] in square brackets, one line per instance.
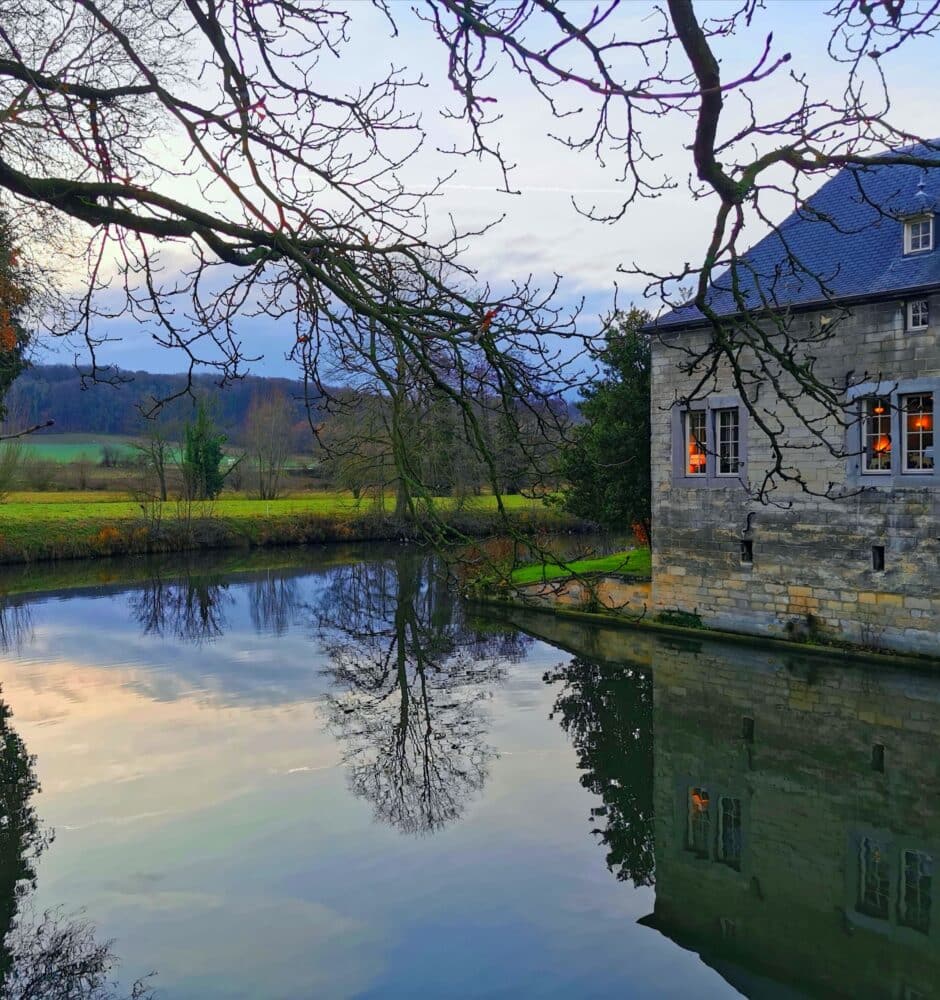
[729, 831]
[893, 882]
[728, 437]
[714, 825]
[891, 438]
[918, 234]
[696, 442]
[918, 314]
[709, 443]
[876, 435]
[874, 879]
[698, 834]
[917, 432]
[916, 890]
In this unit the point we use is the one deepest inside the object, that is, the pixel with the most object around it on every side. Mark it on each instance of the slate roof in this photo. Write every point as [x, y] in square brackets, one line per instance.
[850, 233]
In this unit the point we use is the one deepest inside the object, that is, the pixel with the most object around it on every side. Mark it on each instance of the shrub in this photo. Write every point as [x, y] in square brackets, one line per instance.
[37, 473]
[12, 454]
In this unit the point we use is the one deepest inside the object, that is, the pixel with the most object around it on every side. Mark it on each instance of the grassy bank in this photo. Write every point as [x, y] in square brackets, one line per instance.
[635, 562]
[44, 526]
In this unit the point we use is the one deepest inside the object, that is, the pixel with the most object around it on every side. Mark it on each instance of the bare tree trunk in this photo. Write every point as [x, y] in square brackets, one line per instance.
[160, 465]
[400, 453]
[402, 499]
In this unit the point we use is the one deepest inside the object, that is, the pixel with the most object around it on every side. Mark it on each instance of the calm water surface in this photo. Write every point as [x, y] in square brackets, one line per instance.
[327, 779]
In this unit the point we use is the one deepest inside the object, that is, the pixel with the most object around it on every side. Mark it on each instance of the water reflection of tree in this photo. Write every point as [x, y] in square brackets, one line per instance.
[16, 624]
[272, 603]
[190, 608]
[21, 839]
[50, 956]
[193, 608]
[607, 710]
[413, 676]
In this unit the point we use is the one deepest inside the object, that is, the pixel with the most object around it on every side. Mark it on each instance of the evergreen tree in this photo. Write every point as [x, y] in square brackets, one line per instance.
[202, 457]
[607, 710]
[607, 461]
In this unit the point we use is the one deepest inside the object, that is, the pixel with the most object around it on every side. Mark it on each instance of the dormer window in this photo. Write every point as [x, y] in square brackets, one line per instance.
[918, 234]
[918, 314]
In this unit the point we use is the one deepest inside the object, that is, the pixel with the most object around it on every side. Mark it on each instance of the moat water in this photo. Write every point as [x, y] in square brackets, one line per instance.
[330, 779]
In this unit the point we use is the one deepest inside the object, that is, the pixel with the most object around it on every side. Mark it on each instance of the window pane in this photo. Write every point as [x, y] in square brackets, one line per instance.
[699, 819]
[876, 435]
[727, 429]
[696, 442]
[729, 831]
[873, 879]
[919, 234]
[916, 890]
[917, 421]
[918, 314]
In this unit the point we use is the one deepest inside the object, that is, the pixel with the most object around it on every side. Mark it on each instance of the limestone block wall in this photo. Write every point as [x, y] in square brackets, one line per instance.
[812, 566]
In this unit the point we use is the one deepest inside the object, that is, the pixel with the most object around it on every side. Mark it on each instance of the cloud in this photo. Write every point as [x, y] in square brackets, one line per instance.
[542, 232]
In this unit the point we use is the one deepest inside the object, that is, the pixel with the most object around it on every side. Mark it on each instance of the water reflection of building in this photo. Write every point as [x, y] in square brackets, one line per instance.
[798, 820]
[797, 815]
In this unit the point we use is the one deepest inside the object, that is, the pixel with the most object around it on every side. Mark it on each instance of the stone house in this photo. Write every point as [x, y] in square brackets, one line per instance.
[849, 550]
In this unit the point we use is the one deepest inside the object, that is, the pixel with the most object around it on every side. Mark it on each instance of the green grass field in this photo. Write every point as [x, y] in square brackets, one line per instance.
[65, 448]
[634, 561]
[66, 525]
[42, 506]
[75, 447]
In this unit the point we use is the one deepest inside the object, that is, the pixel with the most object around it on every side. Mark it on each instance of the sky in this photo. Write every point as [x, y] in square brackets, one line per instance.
[541, 232]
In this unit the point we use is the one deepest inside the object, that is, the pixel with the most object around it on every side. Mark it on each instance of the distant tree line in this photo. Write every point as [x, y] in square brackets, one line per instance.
[359, 442]
[257, 434]
[55, 392]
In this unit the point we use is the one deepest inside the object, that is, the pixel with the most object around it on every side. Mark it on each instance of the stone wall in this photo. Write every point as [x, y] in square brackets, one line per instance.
[809, 792]
[812, 557]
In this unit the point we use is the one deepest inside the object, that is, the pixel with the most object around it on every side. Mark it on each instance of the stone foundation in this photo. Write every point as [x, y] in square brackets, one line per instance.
[811, 575]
